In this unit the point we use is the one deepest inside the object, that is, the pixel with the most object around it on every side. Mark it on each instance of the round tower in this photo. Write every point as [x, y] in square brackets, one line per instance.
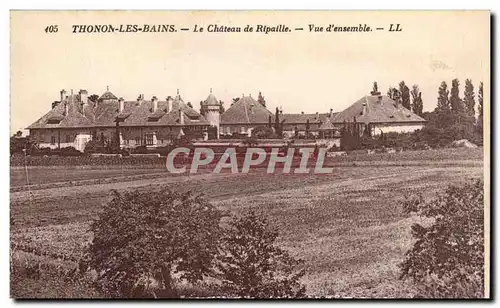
[212, 111]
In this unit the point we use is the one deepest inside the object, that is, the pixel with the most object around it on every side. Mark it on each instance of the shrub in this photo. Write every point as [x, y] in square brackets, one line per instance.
[142, 238]
[70, 151]
[94, 146]
[263, 132]
[21, 145]
[447, 259]
[142, 149]
[252, 266]
[35, 277]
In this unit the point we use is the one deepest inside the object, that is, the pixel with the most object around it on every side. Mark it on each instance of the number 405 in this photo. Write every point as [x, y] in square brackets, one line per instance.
[51, 29]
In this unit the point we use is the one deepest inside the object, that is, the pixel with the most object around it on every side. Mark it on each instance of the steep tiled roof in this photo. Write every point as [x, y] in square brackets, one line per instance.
[246, 110]
[211, 101]
[74, 117]
[105, 113]
[382, 111]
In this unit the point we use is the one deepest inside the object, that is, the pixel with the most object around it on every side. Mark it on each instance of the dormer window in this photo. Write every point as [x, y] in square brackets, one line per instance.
[154, 117]
[55, 120]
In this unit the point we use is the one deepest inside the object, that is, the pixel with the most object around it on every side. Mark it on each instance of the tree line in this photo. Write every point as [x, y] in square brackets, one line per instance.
[453, 118]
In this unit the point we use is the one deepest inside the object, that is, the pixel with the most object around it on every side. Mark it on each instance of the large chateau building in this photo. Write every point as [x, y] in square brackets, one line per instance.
[75, 119]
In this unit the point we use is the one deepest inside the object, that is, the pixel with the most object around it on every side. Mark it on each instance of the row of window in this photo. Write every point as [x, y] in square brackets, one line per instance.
[149, 140]
[228, 130]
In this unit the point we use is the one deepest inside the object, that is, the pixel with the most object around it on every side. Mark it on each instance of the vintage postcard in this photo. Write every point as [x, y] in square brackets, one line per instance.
[250, 154]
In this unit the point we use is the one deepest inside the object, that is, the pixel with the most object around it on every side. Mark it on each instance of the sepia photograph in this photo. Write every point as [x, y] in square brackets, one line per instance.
[250, 154]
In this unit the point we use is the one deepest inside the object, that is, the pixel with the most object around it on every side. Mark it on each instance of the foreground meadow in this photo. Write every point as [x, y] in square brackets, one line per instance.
[347, 226]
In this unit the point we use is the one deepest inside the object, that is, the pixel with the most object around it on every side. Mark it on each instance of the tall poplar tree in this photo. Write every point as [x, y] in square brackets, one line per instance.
[418, 104]
[405, 95]
[480, 108]
[261, 100]
[456, 103]
[443, 101]
[469, 100]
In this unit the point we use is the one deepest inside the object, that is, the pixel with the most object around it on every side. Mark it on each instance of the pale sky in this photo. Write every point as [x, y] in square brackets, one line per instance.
[300, 71]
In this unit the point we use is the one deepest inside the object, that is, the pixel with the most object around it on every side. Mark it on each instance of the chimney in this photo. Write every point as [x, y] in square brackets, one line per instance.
[364, 108]
[380, 101]
[170, 102]
[331, 112]
[154, 99]
[63, 94]
[121, 103]
[181, 116]
[66, 108]
[83, 96]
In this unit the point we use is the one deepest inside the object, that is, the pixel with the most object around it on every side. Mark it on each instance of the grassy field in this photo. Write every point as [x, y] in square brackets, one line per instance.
[347, 226]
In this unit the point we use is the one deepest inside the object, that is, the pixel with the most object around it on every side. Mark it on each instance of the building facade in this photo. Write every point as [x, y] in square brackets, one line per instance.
[74, 120]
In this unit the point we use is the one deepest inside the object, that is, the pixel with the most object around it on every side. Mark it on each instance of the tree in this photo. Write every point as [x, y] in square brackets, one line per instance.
[405, 95]
[480, 108]
[94, 98]
[20, 144]
[418, 104]
[469, 100]
[278, 126]
[262, 132]
[212, 132]
[447, 259]
[391, 92]
[202, 109]
[456, 103]
[251, 265]
[443, 102]
[94, 146]
[444, 116]
[261, 100]
[142, 238]
[375, 89]
[395, 95]
[221, 107]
